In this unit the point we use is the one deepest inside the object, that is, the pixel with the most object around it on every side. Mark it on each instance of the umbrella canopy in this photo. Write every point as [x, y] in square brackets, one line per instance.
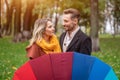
[65, 66]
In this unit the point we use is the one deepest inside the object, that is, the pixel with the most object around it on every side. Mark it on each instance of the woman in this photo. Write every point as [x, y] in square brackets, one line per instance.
[43, 40]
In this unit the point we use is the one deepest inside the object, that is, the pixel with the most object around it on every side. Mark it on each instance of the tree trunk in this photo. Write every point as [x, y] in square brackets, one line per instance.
[28, 15]
[17, 21]
[56, 21]
[94, 26]
[42, 12]
[117, 27]
[9, 17]
[34, 18]
[28, 20]
[17, 18]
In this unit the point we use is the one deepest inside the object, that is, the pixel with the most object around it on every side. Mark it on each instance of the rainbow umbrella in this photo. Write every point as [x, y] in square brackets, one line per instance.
[65, 66]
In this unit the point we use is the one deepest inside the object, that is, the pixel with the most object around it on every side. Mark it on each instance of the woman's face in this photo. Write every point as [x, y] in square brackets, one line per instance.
[49, 30]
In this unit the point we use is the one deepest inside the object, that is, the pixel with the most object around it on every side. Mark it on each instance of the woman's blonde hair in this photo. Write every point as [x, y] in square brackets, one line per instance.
[39, 28]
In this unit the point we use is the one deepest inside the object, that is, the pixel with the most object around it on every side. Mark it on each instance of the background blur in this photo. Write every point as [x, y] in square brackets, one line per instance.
[100, 19]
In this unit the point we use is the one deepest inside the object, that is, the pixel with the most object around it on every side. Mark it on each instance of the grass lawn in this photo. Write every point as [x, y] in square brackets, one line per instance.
[12, 55]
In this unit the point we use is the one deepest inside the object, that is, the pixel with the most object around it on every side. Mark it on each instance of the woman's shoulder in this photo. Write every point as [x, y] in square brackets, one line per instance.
[29, 46]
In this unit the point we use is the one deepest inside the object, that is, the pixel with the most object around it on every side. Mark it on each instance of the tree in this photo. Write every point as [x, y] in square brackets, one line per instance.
[8, 26]
[94, 25]
[116, 15]
[102, 16]
[112, 14]
[28, 15]
[17, 17]
[17, 21]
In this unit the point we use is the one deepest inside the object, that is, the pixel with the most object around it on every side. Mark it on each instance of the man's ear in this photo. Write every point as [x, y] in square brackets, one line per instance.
[75, 20]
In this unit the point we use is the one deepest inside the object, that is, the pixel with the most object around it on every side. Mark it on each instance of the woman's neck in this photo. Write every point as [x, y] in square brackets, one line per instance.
[46, 38]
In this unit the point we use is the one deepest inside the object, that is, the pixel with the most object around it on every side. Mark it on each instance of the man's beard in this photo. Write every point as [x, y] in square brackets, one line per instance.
[72, 26]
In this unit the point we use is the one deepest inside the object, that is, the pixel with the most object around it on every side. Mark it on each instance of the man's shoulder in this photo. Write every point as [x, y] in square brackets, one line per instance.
[81, 34]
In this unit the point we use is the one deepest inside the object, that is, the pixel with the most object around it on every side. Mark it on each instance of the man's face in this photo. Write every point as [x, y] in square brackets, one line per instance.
[68, 23]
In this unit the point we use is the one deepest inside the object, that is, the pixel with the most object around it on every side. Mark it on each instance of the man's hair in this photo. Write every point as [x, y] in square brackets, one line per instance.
[74, 13]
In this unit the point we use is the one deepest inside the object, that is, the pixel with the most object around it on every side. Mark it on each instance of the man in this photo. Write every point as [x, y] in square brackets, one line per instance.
[73, 39]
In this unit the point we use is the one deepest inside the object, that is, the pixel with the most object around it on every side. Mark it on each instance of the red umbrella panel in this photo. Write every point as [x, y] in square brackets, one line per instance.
[46, 67]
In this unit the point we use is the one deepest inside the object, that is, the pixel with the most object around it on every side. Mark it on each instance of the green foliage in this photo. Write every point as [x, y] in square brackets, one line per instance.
[101, 5]
[82, 5]
[116, 9]
[12, 55]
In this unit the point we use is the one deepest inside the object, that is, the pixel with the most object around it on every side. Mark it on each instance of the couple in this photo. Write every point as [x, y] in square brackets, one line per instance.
[44, 41]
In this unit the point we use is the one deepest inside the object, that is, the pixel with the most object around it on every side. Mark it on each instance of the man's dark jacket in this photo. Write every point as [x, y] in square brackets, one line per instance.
[80, 43]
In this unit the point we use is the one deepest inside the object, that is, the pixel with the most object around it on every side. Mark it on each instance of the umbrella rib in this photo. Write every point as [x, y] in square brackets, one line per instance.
[52, 67]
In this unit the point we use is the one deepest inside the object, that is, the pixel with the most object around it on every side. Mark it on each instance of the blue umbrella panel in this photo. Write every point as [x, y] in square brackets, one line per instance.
[91, 68]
